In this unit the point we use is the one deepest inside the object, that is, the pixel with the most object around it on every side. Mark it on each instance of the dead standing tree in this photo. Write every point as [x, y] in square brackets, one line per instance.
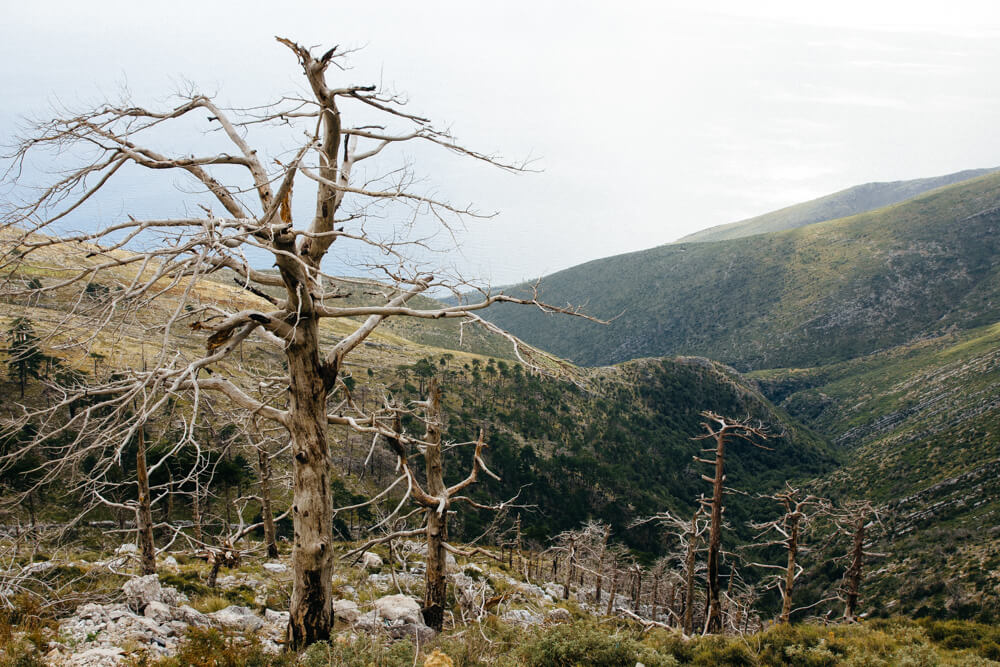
[720, 429]
[787, 532]
[435, 501]
[690, 536]
[855, 522]
[157, 269]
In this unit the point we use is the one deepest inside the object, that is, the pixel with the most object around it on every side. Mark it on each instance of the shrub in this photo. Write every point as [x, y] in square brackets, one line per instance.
[363, 651]
[585, 644]
[210, 648]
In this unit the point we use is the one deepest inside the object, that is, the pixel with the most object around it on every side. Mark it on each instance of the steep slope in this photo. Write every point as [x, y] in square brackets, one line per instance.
[818, 294]
[859, 199]
[921, 427]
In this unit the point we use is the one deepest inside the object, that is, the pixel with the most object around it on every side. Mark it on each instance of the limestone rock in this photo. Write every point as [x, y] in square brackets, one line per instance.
[275, 568]
[346, 610]
[399, 608]
[238, 618]
[558, 615]
[371, 560]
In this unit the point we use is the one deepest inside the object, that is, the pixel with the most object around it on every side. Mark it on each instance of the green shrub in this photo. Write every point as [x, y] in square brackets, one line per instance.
[363, 651]
[585, 644]
[723, 651]
[210, 648]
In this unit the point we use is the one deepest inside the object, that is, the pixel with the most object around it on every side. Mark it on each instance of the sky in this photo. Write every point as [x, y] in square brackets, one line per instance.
[644, 121]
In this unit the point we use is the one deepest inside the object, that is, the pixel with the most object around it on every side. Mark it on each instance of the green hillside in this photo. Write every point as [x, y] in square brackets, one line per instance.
[804, 297]
[921, 427]
[858, 199]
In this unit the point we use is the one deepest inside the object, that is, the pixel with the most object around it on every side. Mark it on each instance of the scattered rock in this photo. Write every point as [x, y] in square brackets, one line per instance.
[140, 591]
[238, 618]
[418, 632]
[275, 568]
[399, 608]
[522, 617]
[126, 549]
[346, 610]
[558, 615]
[371, 560]
[170, 561]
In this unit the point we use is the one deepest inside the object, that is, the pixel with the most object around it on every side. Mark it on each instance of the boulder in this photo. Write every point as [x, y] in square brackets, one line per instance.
[126, 549]
[418, 632]
[522, 617]
[140, 591]
[238, 618]
[158, 611]
[399, 608]
[275, 568]
[346, 610]
[371, 560]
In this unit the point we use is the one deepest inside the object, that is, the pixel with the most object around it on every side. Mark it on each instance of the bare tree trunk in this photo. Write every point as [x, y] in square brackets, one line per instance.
[853, 575]
[689, 579]
[569, 568]
[143, 511]
[793, 548]
[310, 611]
[435, 595]
[713, 620]
[613, 592]
[264, 463]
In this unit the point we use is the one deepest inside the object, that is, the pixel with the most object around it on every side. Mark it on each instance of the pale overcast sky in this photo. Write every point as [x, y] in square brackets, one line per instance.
[650, 120]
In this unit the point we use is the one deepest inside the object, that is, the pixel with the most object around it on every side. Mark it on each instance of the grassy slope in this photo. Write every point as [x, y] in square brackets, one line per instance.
[818, 294]
[859, 199]
[922, 425]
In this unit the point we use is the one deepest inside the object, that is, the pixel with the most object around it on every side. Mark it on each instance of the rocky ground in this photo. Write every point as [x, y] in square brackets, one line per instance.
[150, 619]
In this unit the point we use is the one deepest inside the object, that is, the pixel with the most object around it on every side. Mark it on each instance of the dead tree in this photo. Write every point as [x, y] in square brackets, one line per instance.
[690, 536]
[368, 221]
[855, 522]
[786, 531]
[720, 429]
[435, 501]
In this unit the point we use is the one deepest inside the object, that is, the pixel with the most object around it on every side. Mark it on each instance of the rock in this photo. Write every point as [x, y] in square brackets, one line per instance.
[275, 568]
[420, 633]
[238, 618]
[170, 561]
[368, 621]
[96, 657]
[142, 590]
[438, 659]
[371, 560]
[558, 615]
[522, 617]
[346, 610]
[276, 617]
[126, 549]
[191, 616]
[399, 608]
[472, 567]
[158, 611]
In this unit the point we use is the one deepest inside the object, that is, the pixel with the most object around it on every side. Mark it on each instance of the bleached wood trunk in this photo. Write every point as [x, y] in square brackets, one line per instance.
[310, 611]
[143, 511]
[689, 579]
[854, 571]
[793, 549]
[713, 613]
[436, 589]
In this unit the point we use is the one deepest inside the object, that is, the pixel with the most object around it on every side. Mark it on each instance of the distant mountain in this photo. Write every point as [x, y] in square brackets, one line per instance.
[859, 199]
[804, 297]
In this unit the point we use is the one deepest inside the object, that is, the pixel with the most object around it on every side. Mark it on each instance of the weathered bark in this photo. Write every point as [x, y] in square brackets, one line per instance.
[143, 511]
[436, 590]
[853, 575]
[713, 614]
[570, 568]
[689, 578]
[310, 611]
[264, 464]
[613, 592]
[793, 549]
